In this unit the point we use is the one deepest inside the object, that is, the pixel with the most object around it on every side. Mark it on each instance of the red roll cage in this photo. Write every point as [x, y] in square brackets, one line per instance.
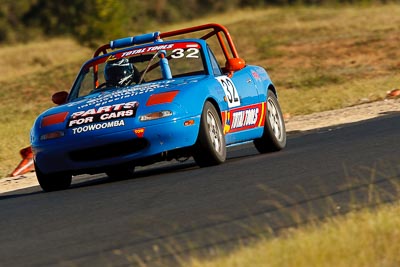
[216, 29]
[233, 62]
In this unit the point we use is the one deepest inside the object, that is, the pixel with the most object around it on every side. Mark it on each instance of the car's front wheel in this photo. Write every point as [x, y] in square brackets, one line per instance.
[210, 147]
[53, 181]
[274, 136]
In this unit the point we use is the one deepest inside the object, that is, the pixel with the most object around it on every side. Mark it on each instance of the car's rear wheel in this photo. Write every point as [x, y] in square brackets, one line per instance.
[210, 147]
[53, 181]
[274, 136]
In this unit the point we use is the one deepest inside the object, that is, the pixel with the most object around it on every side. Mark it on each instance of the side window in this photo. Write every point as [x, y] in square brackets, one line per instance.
[87, 81]
[215, 66]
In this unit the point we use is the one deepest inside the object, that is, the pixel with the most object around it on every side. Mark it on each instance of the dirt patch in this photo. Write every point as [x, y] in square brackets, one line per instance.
[293, 125]
[342, 116]
[14, 183]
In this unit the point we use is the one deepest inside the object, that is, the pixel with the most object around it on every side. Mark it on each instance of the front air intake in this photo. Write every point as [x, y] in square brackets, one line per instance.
[109, 151]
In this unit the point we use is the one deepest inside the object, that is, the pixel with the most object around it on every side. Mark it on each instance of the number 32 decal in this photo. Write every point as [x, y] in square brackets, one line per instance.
[230, 90]
[190, 53]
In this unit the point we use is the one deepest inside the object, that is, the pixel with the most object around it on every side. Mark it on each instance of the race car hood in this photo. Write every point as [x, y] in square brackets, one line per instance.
[111, 106]
[132, 96]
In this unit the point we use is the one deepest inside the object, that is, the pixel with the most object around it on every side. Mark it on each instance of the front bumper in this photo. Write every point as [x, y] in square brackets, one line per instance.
[77, 153]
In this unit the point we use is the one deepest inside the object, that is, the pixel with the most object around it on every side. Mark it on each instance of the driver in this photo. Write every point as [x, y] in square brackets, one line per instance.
[119, 72]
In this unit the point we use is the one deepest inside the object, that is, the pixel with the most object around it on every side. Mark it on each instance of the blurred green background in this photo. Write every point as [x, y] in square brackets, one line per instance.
[92, 20]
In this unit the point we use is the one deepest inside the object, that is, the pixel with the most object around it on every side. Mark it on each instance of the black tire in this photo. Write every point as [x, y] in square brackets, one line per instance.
[210, 147]
[274, 136]
[53, 181]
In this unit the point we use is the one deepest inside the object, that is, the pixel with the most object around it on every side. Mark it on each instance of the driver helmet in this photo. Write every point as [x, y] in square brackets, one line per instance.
[117, 72]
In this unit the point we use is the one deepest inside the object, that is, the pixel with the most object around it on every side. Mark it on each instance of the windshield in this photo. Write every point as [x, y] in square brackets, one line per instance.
[139, 65]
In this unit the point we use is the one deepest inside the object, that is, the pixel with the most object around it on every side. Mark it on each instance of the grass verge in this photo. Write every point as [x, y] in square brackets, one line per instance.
[363, 238]
[358, 228]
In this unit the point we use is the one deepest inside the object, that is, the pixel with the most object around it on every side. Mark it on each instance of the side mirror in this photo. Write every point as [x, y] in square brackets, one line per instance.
[60, 97]
[235, 64]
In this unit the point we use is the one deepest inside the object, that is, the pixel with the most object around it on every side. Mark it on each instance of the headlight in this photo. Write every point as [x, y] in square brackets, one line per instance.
[155, 115]
[52, 135]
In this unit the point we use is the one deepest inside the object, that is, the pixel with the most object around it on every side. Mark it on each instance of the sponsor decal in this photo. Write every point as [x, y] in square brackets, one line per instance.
[108, 97]
[245, 118]
[97, 126]
[139, 132]
[225, 115]
[147, 50]
[154, 48]
[103, 113]
[255, 75]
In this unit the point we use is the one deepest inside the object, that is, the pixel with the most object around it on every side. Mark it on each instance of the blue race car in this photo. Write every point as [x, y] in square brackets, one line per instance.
[155, 97]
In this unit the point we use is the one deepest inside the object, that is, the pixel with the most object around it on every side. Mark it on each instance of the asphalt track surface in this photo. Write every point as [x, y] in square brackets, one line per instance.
[173, 210]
